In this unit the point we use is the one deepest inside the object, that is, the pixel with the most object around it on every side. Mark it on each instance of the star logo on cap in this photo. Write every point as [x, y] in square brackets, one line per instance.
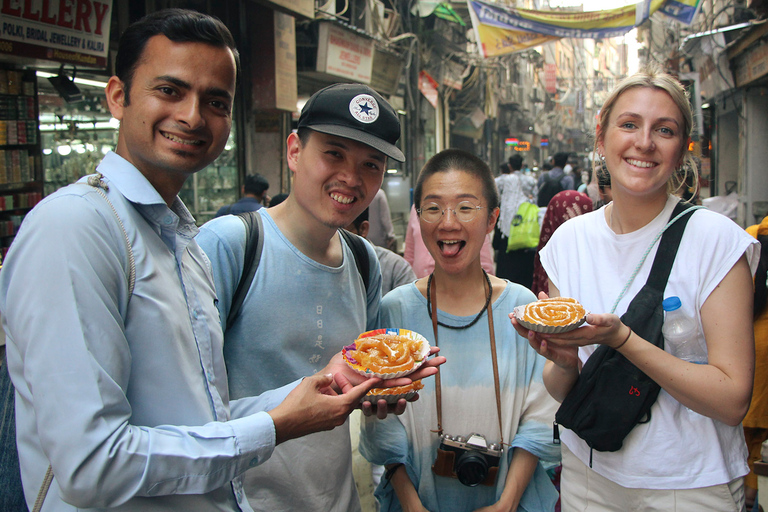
[364, 108]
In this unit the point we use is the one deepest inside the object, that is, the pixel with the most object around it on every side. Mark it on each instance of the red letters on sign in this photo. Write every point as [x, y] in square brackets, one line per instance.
[73, 14]
[11, 10]
[65, 13]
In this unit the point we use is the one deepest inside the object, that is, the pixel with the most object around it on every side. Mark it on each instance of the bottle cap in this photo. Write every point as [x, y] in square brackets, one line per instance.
[671, 303]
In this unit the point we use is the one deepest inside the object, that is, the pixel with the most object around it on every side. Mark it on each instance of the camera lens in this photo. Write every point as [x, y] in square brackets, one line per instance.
[471, 468]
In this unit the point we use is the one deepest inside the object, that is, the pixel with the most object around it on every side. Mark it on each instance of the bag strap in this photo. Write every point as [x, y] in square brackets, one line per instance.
[254, 245]
[670, 243]
[682, 210]
[438, 388]
[360, 253]
[97, 182]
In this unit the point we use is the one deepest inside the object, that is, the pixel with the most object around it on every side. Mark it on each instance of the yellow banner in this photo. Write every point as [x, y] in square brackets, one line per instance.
[503, 30]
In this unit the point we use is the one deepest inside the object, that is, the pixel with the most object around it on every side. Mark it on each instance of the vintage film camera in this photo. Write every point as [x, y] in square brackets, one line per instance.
[469, 458]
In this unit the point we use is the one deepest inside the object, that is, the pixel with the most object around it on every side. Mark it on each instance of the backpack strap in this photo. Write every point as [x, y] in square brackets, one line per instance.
[360, 253]
[254, 244]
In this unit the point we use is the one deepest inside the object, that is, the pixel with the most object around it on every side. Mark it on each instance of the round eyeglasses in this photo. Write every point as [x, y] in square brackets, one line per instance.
[433, 212]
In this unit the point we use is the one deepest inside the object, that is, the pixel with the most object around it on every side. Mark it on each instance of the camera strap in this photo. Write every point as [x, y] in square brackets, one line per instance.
[438, 394]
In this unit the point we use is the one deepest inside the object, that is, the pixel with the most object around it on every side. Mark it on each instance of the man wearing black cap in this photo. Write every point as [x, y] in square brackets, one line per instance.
[307, 298]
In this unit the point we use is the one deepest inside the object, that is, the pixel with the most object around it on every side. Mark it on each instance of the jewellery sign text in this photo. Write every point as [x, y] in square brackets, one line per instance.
[70, 31]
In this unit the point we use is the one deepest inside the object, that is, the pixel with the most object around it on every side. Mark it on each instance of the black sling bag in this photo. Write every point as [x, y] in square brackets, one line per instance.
[612, 395]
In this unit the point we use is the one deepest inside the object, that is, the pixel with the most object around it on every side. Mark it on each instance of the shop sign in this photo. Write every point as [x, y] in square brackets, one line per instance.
[69, 31]
[550, 78]
[285, 62]
[387, 69]
[752, 65]
[305, 8]
[452, 74]
[344, 54]
[428, 87]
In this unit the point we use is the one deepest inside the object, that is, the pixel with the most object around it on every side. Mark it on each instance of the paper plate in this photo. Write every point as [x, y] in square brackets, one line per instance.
[519, 312]
[348, 353]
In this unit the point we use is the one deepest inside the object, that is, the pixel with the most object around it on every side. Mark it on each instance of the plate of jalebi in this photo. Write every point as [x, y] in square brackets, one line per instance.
[551, 316]
[392, 395]
[387, 353]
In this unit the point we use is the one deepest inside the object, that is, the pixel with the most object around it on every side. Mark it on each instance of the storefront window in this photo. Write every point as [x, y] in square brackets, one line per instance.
[213, 187]
[75, 136]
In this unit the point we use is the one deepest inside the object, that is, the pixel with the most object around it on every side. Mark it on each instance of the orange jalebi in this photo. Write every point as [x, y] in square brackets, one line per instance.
[555, 311]
[387, 353]
[399, 390]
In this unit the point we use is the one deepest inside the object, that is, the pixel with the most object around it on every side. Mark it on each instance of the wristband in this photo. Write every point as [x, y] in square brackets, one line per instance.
[391, 471]
[625, 340]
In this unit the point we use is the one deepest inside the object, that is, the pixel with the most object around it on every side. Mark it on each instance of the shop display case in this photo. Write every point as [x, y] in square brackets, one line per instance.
[215, 186]
[20, 155]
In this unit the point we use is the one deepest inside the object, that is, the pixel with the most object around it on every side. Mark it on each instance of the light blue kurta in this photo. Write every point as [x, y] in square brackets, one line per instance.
[469, 405]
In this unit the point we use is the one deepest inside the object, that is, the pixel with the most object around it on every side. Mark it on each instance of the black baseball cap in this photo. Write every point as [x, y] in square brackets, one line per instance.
[357, 112]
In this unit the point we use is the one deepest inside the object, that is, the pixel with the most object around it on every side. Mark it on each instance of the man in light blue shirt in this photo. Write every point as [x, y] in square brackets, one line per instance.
[123, 390]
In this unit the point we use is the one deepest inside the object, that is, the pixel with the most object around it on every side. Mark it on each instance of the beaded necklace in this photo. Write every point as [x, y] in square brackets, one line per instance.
[473, 322]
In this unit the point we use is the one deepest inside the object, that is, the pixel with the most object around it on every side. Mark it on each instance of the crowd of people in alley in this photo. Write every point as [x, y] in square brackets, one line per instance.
[152, 364]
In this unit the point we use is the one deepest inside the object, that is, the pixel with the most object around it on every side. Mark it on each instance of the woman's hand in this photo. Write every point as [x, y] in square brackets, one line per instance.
[405, 490]
[564, 356]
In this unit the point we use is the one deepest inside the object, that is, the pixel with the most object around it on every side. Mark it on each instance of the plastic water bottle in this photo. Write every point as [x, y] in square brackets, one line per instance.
[681, 333]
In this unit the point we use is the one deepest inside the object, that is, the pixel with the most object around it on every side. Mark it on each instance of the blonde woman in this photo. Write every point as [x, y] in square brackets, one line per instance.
[691, 456]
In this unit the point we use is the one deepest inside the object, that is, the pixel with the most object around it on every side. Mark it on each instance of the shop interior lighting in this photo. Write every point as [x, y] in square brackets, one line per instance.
[66, 87]
[81, 81]
[98, 125]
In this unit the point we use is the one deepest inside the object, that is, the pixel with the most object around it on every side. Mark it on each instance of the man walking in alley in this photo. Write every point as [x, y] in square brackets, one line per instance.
[307, 298]
[108, 304]
[254, 196]
[554, 180]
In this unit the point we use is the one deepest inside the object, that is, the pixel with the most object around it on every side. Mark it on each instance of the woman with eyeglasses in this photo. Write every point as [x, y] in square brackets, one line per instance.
[476, 437]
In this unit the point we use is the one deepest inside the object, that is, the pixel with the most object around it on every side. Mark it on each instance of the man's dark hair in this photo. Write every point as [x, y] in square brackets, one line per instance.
[255, 184]
[178, 25]
[277, 199]
[516, 162]
[561, 159]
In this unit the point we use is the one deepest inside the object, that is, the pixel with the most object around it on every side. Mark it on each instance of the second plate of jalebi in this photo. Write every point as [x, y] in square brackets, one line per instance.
[387, 353]
[551, 316]
[392, 395]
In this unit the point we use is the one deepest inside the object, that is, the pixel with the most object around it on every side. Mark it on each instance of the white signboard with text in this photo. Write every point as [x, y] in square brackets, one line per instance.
[344, 54]
[71, 31]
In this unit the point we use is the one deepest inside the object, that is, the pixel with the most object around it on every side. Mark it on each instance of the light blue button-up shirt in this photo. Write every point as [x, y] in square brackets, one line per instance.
[126, 398]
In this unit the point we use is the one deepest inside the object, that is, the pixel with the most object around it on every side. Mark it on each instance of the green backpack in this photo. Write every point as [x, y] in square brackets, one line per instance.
[524, 230]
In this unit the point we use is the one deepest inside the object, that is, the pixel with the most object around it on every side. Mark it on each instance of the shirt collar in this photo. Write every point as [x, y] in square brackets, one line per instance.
[137, 189]
[129, 180]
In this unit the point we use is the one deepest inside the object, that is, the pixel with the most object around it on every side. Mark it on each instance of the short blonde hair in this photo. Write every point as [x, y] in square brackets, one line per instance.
[652, 77]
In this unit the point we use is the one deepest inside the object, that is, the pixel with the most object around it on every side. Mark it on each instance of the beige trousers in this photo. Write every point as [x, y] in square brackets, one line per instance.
[583, 490]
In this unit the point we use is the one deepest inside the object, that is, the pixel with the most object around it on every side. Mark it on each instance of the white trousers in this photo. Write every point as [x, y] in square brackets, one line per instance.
[584, 490]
